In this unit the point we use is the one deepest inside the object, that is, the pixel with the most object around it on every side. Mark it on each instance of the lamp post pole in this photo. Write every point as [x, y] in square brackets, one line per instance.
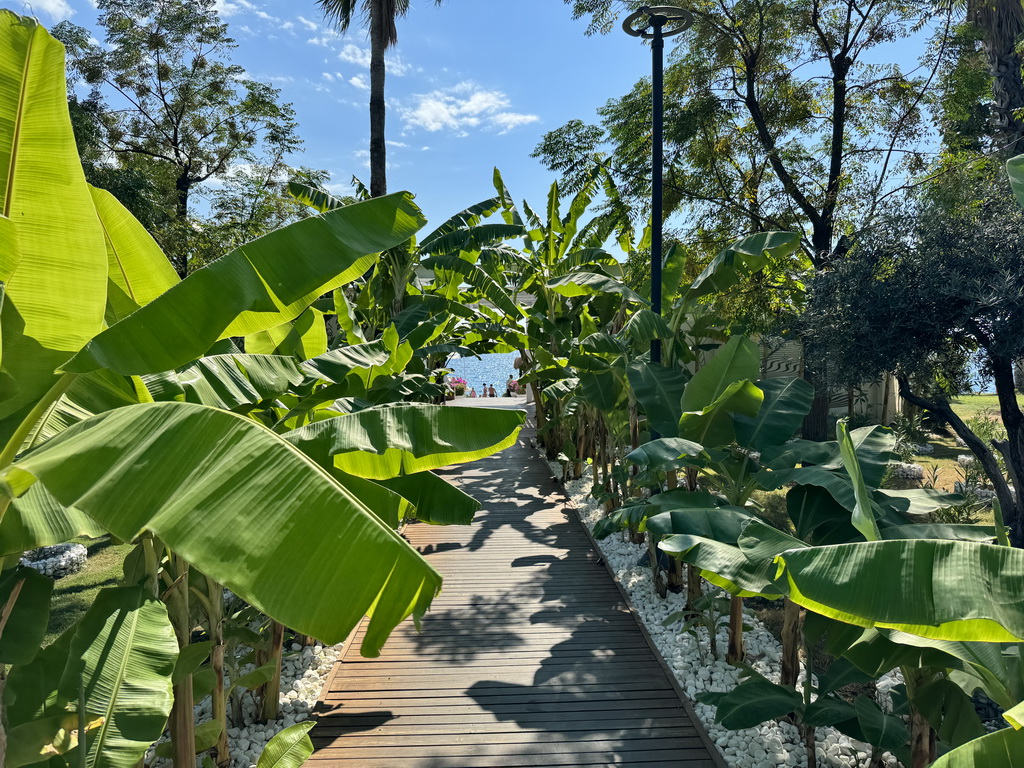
[655, 23]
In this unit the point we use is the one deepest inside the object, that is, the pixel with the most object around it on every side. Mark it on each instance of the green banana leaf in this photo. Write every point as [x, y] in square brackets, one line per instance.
[315, 198]
[863, 518]
[36, 519]
[738, 360]
[303, 338]
[385, 442]
[289, 748]
[663, 454]
[723, 524]
[122, 656]
[713, 425]
[590, 283]
[742, 258]
[243, 506]
[436, 501]
[786, 402]
[252, 288]
[25, 625]
[56, 297]
[386, 504]
[948, 590]
[1001, 749]
[137, 269]
[236, 382]
[659, 391]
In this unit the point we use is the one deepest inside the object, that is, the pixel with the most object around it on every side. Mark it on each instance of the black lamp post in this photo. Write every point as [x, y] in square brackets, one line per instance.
[655, 23]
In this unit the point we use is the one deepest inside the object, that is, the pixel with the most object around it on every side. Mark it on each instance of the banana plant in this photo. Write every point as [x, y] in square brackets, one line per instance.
[85, 300]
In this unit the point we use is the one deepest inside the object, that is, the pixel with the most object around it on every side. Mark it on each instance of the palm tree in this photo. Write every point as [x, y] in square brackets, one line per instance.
[380, 16]
[1002, 24]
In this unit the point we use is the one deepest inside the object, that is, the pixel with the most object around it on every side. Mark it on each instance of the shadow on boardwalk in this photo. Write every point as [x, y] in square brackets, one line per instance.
[528, 657]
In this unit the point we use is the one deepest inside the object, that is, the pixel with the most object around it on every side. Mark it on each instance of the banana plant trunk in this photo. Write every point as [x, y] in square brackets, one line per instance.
[182, 724]
[215, 594]
[791, 642]
[693, 587]
[735, 653]
[270, 692]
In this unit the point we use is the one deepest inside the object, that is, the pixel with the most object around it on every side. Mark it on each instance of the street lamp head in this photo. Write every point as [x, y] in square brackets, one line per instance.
[668, 18]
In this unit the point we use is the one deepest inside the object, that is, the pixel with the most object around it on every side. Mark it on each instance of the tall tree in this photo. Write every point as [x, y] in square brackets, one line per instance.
[380, 16]
[1001, 23]
[778, 116]
[177, 101]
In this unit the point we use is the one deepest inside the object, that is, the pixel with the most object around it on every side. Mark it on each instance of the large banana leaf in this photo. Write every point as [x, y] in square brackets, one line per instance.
[713, 425]
[253, 288]
[863, 519]
[740, 259]
[786, 402]
[1001, 749]
[380, 443]
[245, 507]
[137, 269]
[55, 299]
[36, 519]
[736, 361]
[663, 454]
[25, 626]
[436, 500]
[120, 662]
[659, 391]
[473, 275]
[236, 382]
[948, 590]
[304, 337]
[590, 283]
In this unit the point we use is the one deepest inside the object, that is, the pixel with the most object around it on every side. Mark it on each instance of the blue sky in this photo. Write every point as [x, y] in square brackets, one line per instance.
[472, 85]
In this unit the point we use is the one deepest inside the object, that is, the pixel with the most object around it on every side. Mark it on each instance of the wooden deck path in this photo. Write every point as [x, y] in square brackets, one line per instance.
[529, 657]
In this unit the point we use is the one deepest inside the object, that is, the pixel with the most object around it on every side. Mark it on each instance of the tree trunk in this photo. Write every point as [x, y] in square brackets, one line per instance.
[922, 740]
[180, 260]
[791, 643]
[183, 724]
[378, 147]
[270, 692]
[735, 652]
[1002, 24]
[693, 588]
[215, 594]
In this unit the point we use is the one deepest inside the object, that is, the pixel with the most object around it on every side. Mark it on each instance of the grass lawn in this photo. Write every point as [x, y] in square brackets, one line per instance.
[968, 406]
[73, 594]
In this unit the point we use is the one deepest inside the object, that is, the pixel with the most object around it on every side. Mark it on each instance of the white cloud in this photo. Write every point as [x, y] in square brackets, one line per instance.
[353, 54]
[55, 9]
[231, 7]
[360, 83]
[328, 77]
[288, 25]
[399, 144]
[312, 26]
[463, 106]
[360, 56]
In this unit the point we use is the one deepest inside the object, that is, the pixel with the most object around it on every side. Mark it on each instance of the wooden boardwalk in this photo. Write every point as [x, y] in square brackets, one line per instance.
[529, 657]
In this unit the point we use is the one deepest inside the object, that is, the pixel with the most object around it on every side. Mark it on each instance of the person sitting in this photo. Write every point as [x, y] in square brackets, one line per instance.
[472, 392]
[491, 392]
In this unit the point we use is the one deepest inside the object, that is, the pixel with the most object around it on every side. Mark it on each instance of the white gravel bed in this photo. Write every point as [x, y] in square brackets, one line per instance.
[906, 471]
[58, 560]
[769, 745]
[304, 673]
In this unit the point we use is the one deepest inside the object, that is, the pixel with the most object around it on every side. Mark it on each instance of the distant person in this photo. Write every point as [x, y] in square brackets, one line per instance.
[472, 392]
[491, 392]
[510, 386]
[484, 393]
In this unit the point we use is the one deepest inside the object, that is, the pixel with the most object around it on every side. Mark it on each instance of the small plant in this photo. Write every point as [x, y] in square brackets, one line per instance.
[910, 434]
[710, 613]
[458, 385]
[976, 498]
